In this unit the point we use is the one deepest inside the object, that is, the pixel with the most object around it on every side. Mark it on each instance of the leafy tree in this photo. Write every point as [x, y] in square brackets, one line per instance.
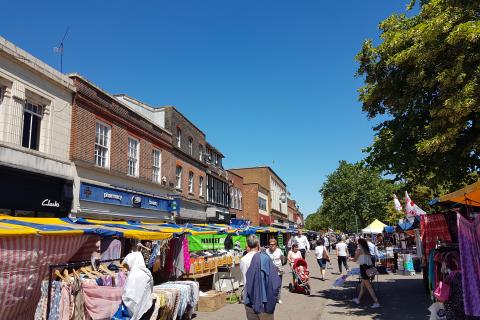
[354, 190]
[423, 81]
[317, 221]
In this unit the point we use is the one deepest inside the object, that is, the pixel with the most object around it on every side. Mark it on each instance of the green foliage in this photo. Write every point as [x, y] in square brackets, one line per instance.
[317, 221]
[353, 190]
[423, 79]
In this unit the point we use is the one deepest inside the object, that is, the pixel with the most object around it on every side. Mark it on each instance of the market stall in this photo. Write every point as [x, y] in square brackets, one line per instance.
[37, 260]
[451, 247]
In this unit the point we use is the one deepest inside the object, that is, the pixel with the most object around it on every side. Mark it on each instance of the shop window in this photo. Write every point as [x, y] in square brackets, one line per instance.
[178, 177]
[32, 117]
[102, 145]
[133, 157]
[157, 156]
[190, 182]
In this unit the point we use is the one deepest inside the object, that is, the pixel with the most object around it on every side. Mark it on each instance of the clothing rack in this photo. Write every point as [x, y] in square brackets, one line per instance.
[76, 264]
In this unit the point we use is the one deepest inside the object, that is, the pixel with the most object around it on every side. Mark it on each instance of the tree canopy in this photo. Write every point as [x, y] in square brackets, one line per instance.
[353, 190]
[423, 80]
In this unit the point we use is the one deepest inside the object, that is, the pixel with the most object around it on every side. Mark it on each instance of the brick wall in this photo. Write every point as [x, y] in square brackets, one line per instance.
[85, 114]
[255, 175]
[186, 168]
[250, 203]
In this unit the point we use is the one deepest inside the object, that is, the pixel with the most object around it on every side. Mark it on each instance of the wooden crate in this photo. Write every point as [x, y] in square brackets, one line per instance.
[212, 301]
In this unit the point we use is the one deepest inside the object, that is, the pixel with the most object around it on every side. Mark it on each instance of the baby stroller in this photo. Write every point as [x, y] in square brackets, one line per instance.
[301, 275]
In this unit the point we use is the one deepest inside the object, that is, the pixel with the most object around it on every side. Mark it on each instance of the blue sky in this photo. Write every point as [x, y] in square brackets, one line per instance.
[271, 82]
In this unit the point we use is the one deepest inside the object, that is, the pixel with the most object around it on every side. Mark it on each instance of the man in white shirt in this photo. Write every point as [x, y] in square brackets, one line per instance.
[302, 242]
[253, 245]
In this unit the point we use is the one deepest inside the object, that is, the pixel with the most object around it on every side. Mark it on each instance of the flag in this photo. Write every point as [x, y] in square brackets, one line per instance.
[397, 204]
[411, 209]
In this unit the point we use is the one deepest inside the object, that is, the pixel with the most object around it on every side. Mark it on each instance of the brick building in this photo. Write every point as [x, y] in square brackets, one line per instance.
[188, 149]
[218, 188]
[236, 195]
[276, 191]
[35, 117]
[255, 204]
[123, 163]
[295, 217]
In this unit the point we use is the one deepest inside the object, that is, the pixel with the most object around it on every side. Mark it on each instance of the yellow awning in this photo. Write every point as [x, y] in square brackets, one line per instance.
[469, 195]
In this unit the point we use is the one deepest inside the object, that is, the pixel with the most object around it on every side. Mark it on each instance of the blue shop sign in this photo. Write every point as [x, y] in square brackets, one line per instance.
[94, 193]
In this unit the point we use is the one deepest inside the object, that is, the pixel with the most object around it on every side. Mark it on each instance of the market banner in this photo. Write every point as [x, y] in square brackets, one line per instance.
[397, 204]
[411, 209]
[213, 242]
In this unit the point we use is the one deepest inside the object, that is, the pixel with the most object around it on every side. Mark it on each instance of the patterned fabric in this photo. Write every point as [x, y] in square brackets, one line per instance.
[454, 305]
[469, 243]
[24, 264]
[434, 226]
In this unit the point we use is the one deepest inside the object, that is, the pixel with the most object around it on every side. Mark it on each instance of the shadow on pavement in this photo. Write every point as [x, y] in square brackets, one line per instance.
[399, 298]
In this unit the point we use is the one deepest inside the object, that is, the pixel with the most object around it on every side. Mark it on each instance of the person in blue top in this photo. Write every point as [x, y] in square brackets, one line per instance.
[262, 285]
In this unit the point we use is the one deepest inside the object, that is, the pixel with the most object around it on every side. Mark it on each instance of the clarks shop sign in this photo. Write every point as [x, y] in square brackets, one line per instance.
[106, 195]
[50, 203]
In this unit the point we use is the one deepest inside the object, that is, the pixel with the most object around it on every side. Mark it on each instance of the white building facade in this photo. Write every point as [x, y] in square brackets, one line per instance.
[35, 122]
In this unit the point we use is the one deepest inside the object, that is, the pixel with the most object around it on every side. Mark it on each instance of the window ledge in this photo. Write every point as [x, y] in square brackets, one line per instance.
[179, 189]
[191, 193]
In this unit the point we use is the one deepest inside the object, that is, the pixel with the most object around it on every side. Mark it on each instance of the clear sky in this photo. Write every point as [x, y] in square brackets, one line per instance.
[270, 82]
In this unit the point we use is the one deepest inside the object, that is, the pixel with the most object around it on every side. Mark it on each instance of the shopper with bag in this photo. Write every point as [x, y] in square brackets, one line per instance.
[321, 253]
[363, 257]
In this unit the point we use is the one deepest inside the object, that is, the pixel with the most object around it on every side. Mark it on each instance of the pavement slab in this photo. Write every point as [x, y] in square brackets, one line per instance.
[401, 297]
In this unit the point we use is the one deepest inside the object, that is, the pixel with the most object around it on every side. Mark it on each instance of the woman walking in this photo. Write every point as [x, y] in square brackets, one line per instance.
[276, 254]
[342, 254]
[362, 256]
[322, 256]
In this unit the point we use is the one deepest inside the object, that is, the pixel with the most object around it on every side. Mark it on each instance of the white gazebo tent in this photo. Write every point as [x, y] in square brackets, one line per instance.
[375, 227]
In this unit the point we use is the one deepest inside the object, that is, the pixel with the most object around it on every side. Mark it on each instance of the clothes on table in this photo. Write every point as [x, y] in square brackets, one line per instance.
[177, 299]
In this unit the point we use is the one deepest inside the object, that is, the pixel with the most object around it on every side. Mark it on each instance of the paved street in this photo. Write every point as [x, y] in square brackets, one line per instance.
[402, 297]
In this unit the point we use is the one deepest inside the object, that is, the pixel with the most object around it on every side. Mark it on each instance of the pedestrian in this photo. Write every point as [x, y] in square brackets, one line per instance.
[322, 256]
[302, 242]
[373, 250]
[352, 247]
[327, 243]
[362, 256]
[342, 254]
[253, 246]
[262, 283]
[293, 255]
[291, 241]
[276, 254]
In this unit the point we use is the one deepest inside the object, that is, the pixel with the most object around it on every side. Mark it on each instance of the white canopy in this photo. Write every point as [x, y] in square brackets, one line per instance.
[374, 227]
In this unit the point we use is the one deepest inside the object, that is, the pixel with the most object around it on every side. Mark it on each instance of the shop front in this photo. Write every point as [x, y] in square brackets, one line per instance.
[218, 215]
[26, 193]
[191, 212]
[112, 202]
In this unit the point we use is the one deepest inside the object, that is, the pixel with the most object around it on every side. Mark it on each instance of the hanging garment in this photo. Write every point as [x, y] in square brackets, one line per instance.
[186, 255]
[110, 249]
[137, 293]
[79, 312]
[66, 307]
[434, 226]
[469, 244]
[41, 311]
[454, 306]
[120, 279]
[101, 302]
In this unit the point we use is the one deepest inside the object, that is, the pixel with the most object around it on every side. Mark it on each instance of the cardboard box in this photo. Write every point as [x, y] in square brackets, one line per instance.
[213, 301]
